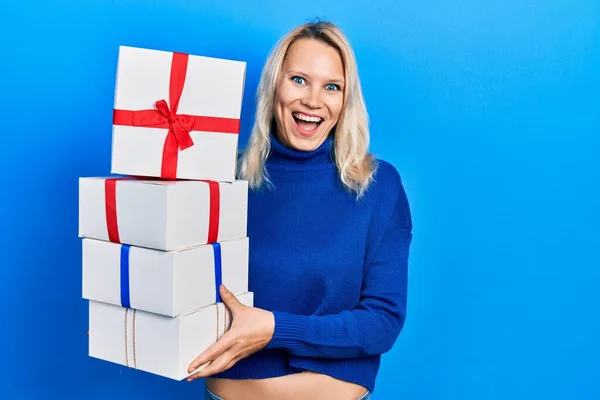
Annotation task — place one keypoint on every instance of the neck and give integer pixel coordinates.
(284, 155)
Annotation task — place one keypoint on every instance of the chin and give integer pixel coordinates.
(306, 143)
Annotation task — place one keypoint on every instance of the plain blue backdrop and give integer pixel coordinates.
(489, 109)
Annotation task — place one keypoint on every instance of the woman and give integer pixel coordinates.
(329, 228)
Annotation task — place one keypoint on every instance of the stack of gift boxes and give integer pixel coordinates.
(169, 227)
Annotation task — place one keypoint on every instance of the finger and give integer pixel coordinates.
(214, 351)
(232, 362)
(210, 355)
(218, 365)
(229, 299)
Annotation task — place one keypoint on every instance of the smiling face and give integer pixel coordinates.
(309, 95)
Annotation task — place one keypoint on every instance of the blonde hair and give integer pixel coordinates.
(355, 164)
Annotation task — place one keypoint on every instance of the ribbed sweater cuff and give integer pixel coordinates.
(291, 331)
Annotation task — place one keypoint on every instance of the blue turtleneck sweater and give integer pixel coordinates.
(332, 269)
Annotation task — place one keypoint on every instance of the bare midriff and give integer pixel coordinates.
(300, 386)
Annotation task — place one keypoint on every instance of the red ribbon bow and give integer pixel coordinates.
(179, 125)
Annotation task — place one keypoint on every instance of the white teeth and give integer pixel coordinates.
(307, 118)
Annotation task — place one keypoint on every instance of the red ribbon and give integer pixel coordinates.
(215, 211)
(179, 125)
(110, 200)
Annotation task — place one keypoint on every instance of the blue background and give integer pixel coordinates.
(489, 110)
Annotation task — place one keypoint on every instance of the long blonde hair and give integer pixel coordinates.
(355, 164)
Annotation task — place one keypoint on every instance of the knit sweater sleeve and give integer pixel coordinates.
(373, 326)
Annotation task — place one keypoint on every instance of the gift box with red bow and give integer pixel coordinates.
(176, 116)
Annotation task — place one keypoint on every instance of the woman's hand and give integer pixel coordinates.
(251, 329)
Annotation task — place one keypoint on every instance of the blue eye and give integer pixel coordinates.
(298, 80)
(331, 86)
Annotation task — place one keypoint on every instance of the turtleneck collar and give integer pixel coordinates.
(287, 157)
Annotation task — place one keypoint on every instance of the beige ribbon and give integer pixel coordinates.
(134, 352)
(126, 340)
(217, 322)
(224, 319)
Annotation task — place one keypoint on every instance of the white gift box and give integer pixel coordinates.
(162, 215)
(204, 90)
(167, 283)
(155, 343)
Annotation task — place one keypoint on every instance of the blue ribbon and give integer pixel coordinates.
(125, 300)
(125, 276)
(218, 269)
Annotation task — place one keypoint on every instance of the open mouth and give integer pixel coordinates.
(307, 123)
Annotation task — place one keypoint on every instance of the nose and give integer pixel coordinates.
(312, 98)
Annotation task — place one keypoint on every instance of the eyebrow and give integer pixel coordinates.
(334, 80)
